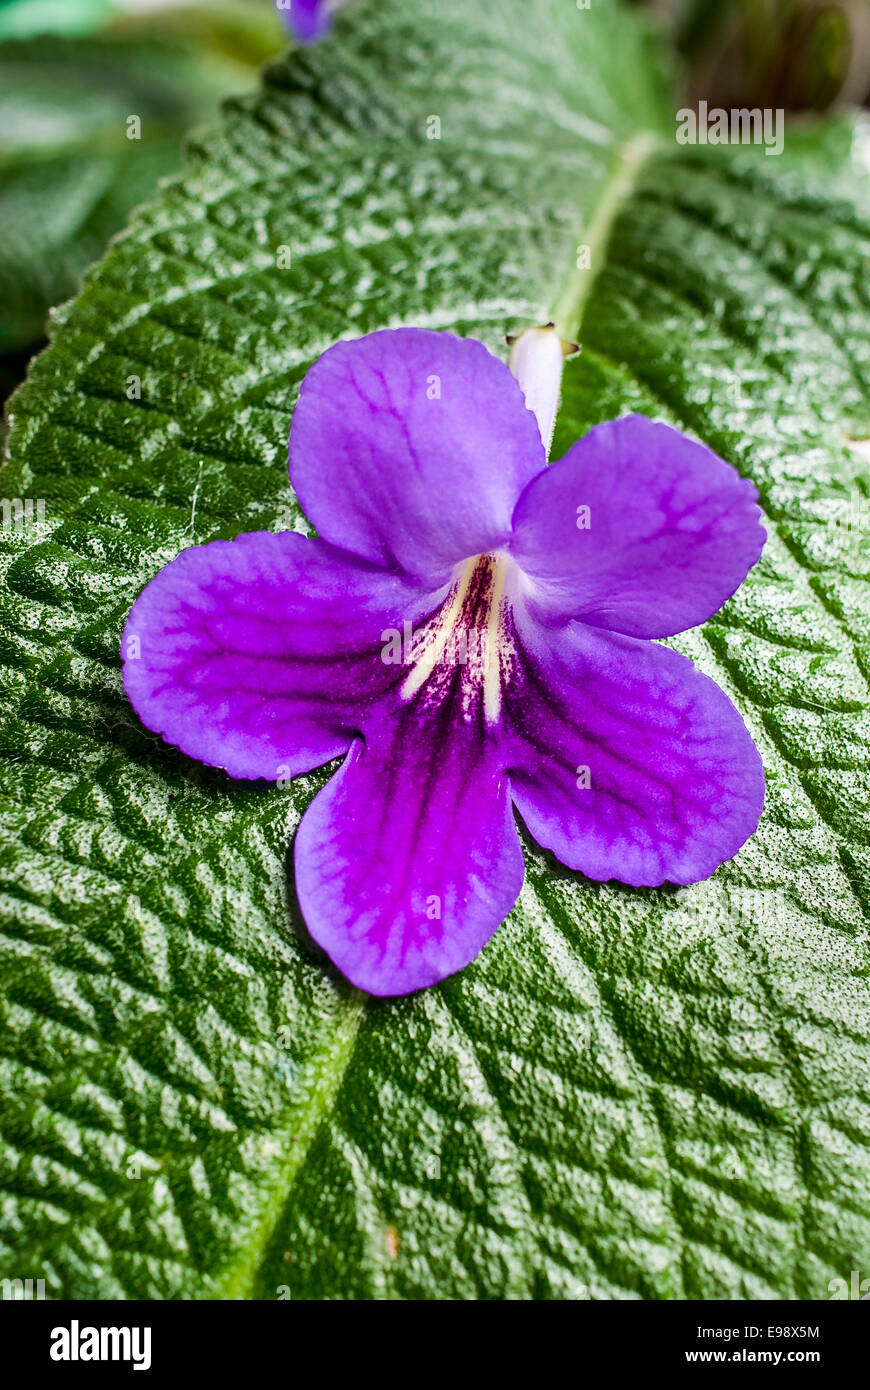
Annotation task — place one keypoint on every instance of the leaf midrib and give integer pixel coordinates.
(318, 1086)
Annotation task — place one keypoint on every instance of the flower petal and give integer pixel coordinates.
(675, 782)
(410, 448)
(637, 529)
(259, 655)
(307, 20)
(409, 858)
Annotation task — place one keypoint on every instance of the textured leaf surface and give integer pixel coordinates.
(652, 1094)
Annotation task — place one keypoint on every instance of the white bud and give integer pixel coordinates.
(536, 359)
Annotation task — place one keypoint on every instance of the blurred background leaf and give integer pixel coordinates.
(69, 173)
(71, 71)
(797, 54)
(22, 19)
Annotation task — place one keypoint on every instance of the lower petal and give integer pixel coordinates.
(626, 761)
(409, 858)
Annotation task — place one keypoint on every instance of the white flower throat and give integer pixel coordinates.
(467, 644)
(467, 647)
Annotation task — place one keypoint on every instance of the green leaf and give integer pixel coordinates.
(22, 19)
(656, 1094)
(72, 167)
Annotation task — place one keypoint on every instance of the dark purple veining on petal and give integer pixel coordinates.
(624, 759)
(262, 655)
(638, 529)
(409, 858)
(461, 653)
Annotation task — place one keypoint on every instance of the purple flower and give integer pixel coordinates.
(470, 630)
(307, 20)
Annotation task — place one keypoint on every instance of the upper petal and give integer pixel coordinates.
(410, 448)
(668, 533)
(625, 760)
(260, 655)
(409, 858)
